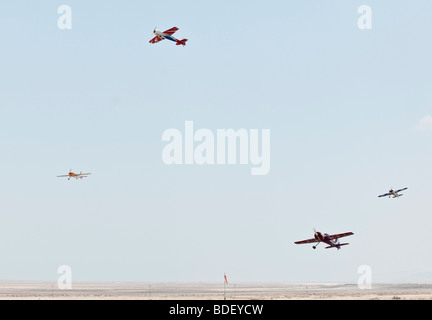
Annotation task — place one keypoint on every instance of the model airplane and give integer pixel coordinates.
(167, 35)
(75, 175)
(331, 240)
(393, 193)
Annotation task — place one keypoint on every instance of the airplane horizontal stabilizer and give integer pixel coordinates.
(181, 42)
(339, 245)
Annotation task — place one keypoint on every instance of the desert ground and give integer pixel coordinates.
(27, 290)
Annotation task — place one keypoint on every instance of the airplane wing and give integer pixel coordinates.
(384, 195)
(340, 235)
(66, 175)
(156, 39)
(306, 241)
(400, 190)
(171, 31)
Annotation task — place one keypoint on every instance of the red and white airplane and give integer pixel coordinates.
(331, 240)
(75, 175)
(393, 193)
(167, 34)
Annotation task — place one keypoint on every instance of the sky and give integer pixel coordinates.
(348, 110)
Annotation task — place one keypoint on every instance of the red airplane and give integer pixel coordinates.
(167, 34)
(331, 240)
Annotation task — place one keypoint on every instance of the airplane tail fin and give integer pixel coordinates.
(181, 42)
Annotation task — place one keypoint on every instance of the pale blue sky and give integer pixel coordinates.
(341, 103)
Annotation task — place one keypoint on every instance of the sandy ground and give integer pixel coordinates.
(16, 290)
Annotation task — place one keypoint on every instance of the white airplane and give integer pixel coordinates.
(75, 175)
(393, 193)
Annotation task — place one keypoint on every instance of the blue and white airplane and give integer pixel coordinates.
(331, 240)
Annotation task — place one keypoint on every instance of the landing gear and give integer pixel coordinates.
(316, 245)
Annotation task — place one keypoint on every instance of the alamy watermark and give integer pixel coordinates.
(365, 280)
(64, 282)
(365, 20)
(227, 146)
(64, 22)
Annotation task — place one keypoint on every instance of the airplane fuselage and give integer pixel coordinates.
(323, 237)
(394, 194)
(164, 35)
(76, 175)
